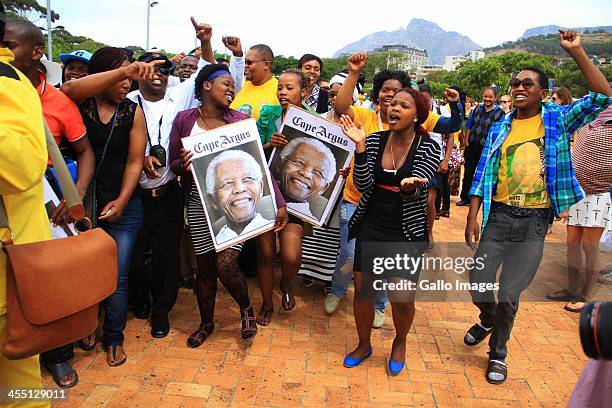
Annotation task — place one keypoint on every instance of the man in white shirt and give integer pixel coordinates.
(188, 65)
(162, 197)
(234, 181)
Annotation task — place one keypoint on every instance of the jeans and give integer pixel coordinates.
(58, 355)
(124, 232)
(516, 244)
(472, 157)
(343, 272)
(162, 226)
(443, 197)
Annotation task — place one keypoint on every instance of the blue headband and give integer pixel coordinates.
(217, 74)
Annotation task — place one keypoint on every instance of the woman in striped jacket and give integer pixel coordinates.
(391, 170)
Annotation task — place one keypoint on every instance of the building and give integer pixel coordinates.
(404, 58)
(451, 62)
(423, 70)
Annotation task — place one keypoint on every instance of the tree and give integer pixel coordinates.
(28, 9)
(282, 63)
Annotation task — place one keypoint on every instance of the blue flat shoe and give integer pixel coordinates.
(395, 367)
(350, 362)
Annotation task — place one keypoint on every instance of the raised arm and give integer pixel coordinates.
(344, 99)
(453, 123)
(80, 89)
(204, 33)
(237, 62)
(595, 79)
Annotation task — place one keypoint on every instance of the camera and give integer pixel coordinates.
(159, 153)
(596, 330)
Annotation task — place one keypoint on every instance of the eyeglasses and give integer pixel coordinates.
(230, 185)
(249, 62)
(163, 70)
(527, 83)
(317, 174)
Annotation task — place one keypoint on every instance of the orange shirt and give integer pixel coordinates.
(60, 112)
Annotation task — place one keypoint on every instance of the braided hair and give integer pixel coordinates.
(302, 78)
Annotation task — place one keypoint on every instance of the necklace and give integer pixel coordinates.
(202, 117)
(393, 154)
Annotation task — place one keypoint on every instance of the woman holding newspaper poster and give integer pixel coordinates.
(292, 85)
(214, 86)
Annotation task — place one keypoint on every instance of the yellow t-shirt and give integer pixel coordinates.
(23, 160)
(251, 98)
(372, 124)
(521, 175)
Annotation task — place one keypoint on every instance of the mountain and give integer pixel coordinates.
(552, 29)
(418, 33)
(599, 43)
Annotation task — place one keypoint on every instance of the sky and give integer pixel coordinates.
(316, 26)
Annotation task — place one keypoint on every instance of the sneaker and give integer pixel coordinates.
(331, 303)
(379, 319)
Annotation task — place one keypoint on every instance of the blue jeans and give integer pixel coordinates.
(124, 232)
(343, 272)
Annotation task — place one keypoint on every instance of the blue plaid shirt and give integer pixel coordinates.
(559, 123)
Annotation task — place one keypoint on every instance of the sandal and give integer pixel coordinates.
(199, 336)
(61, 372)
(263, 318)
(288, 301)
(88, 343)
(476, 334)
(497, 372)
(111, 351)
(576, 305)
(249, 330)
(562, 295)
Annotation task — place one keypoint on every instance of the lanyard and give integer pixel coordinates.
(147, 126)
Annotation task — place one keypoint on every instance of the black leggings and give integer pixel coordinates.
(222, 265)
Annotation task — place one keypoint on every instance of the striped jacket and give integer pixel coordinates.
(414, 208)
(559, 123)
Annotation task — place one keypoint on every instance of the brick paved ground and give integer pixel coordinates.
(297, 360)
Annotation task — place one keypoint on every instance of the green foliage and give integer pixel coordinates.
(282, 63)
(28, 9)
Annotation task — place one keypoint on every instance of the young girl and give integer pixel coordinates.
(292, 89)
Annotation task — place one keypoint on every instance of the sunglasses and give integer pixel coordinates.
(504, 101)
(554, 99)
(527, 83)
(163, 71)
(249, 62)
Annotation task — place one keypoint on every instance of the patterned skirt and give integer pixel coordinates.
(594, 210)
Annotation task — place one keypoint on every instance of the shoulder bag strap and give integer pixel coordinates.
(73, 200)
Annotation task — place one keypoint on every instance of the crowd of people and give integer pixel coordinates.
(121, 119)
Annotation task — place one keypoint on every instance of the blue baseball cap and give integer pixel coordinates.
(79, 55)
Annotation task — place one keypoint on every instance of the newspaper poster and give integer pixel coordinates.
(306, 168)
(233, 180)
(51, 203)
